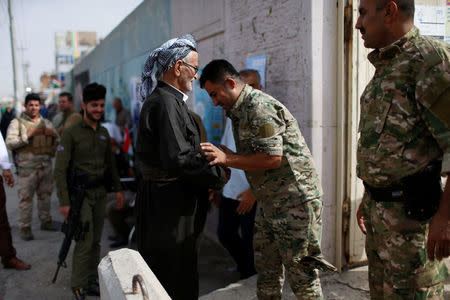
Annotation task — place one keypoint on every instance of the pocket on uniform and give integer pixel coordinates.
(380, 121)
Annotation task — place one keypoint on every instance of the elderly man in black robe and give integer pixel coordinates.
(172, 200)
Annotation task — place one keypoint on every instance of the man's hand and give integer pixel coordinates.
(34, 131)
(214, 154)
(247, 202)
(9, 178)
(64, 211)
(50, 132)
(360, 219)
(438, 244)
(119, 197)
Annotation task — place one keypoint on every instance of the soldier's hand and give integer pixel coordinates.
(247, 202)
(50, 132)
(9, 178)
(34, 131)
(214, 154)
(438, 243)
(360, 219)
(119, 197)
(64, 211)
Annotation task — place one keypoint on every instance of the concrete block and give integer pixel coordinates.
(116, 271)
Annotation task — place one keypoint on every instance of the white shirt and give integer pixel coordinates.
(4, 158)
(185, 97)
(113, 131)
(238, 182)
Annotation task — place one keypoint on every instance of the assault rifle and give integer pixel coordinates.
(73, 228)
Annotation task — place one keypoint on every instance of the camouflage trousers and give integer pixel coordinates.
(396, 251)
(288, 239)
(31, 180)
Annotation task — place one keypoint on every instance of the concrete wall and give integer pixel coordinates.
(298, 38)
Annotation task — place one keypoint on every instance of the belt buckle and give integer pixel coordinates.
(397, 194)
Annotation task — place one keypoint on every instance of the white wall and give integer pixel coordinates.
(299, 40)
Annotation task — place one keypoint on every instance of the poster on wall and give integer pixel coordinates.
(80, 81)
(431, 20)
(135, 100)
(258, 63)
(447, 24)
(212, 116)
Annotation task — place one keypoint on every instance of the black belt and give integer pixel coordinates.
(397, 192)
(385, 194)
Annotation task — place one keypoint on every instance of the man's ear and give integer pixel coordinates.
(230, 82)
(177, 68)
(83, 105)
(391, 12)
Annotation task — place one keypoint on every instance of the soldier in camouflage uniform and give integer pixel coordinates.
(34, 140)
(282, 175)
(403, 149)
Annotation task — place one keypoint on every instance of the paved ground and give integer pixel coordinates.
(216, 279)
(41, 253)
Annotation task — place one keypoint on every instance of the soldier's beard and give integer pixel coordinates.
(91, 117)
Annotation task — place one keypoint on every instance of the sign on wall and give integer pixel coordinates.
(258, 63)
(431, 20)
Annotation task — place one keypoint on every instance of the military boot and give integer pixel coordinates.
(93, 289)
(50, 226)
(25, 234)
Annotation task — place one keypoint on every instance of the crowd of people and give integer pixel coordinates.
(262, 177)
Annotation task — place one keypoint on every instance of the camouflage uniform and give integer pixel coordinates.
(33, 156)
(289, 220)
(404, 127)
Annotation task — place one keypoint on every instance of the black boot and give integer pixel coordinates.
(93, 289)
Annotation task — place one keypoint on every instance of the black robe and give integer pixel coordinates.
(172, 200)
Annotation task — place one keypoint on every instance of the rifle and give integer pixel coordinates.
(73, 228)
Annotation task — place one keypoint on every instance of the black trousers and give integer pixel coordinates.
(240, 247)
(169, 220)
(6, 248)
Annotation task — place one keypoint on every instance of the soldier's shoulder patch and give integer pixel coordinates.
(60, 148)
(266, 130)
(102, 137)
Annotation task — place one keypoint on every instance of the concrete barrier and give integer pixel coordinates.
(117, 272)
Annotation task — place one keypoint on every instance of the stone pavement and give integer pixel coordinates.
(217, 280)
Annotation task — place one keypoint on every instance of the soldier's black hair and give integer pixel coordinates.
(68, 95)
(93, 91)
(32, 97)
(405, 6)
(216, 72)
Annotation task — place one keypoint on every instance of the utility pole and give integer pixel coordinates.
(13, 49)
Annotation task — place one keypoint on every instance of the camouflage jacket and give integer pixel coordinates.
(262, 124)
(17, 139)
(405, 110)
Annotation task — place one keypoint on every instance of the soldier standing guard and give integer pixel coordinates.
(403, 150)
(282, 175)
(85, 148)
(34, 140)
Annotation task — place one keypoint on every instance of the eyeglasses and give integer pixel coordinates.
(193, 67)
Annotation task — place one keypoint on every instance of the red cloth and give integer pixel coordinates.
(126, 142)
